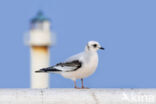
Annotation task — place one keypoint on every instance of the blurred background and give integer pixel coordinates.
(127, 29)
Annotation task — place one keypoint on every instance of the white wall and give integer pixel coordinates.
(77, 96)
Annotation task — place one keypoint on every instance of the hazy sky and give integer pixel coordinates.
(126, 28)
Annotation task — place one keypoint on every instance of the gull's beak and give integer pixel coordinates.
(101, 48)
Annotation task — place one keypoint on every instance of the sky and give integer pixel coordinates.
(126, 28)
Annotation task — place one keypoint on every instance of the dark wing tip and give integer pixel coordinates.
(41, 70)
(37, 71)
(49, 69)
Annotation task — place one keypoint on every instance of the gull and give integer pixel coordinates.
(78, 66)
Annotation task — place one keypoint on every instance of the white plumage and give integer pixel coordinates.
(78, 66)
(89, 62)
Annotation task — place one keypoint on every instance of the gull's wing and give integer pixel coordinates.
(71, 64)
(63, 67)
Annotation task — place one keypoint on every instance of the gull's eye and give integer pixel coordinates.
(94, 45)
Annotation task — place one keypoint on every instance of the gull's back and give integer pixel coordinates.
(78, 56)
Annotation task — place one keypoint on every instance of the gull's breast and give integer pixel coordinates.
(90, 68)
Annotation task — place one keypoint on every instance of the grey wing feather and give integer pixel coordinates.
(63, 67)
(69, 66)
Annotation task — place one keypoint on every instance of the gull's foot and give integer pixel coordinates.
(77, 88)
(84, 87)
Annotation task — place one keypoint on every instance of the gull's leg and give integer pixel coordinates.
(82, 84)
(75, 84)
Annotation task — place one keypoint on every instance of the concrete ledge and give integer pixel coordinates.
(77, 96)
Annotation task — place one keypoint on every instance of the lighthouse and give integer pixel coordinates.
(39, 42)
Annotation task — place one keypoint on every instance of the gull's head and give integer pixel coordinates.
(93, 46)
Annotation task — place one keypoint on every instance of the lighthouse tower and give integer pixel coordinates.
(39, 42)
